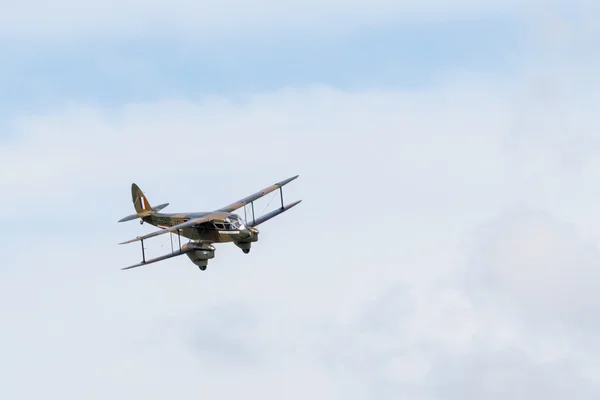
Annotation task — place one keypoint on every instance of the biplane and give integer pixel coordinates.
(203, 229)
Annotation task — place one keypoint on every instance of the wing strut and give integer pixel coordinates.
(178, 235)
(281, 194)
(284, 207)
(182, 250)
(253, 197)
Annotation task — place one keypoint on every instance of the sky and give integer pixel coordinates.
(447, 245)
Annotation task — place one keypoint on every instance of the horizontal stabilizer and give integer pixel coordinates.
(273, 213)
(160, 207)
(136, 216)
(142, 214)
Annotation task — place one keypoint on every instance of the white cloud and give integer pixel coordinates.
(356, 293)
(557, 270)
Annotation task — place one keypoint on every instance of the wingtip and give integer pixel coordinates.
(133, 266)
(286, 181)
(295, 203)
(130, 241)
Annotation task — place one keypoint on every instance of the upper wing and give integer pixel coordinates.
(191, 222)
(238, 204)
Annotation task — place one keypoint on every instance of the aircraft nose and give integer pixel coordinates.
(245, 232)
(249, 232)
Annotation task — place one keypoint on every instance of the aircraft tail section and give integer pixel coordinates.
(140, 201)
(141, 204)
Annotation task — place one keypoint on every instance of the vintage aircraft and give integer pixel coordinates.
(203, 228)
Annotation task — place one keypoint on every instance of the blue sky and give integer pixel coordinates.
(114, 72)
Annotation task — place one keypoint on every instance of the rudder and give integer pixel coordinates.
(140, 201)
(142, 205)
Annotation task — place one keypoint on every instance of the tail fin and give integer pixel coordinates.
(140, 201)
(141, 204)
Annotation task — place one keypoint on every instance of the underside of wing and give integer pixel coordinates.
(157, 259)
(202, 252)
(253, 197)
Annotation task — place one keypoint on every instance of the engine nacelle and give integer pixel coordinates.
(200, 253)
(245, 246)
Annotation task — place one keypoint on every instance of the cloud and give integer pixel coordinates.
(557, 270)
(357, 293)
(510, 374)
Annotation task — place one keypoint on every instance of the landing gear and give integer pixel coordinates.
(246, 251)
(202, 267)
(141, 221)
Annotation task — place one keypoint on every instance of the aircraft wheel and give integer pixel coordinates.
(202, 267)
(246, 251)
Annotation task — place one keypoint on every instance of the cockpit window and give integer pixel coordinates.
(235, 222)
(230, 223)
